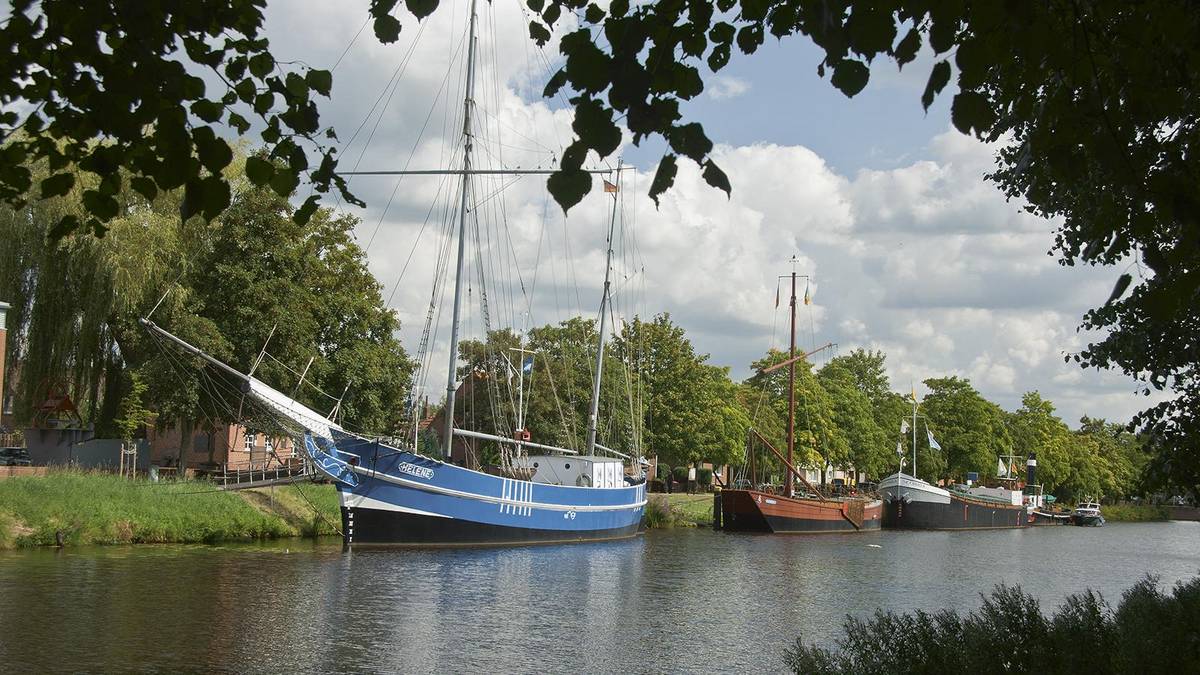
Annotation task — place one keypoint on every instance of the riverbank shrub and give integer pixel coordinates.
(1149, 632)
(1135, 513)
(658, 511)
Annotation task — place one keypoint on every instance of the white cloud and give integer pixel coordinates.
(721, 87)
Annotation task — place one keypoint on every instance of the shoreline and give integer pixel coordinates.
(71, 507)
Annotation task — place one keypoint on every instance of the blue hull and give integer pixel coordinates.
(393, 496)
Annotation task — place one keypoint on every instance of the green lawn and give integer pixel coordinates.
(101, 508)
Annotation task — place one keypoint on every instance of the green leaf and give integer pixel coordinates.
(972, 111)
(209, 111)
(541, 36)
(664, 177)
(214, 153)
(942, 33)
(387, 28)
(907, 50)
(284, 181)
(568, 186)
(749, 38)
(239, 123)
(536, 5)
(145, 186)
(100, 205)
(1119, 288)
(721, 32)
(939, 77)
(850, 76)
(690, 140)
(594, 126)
(296, 86)
(871, 29)
(259, 170)
(261, 65)
(421, 8)
(65, 225)
(593, 14)
(58, 185)
(306, 210)
(263, 102)
(715, 177)
(320, 81)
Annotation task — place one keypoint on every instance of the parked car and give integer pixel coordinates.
(14, 457)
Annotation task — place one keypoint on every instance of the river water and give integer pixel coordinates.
(671, 600)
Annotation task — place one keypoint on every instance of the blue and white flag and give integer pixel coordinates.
(932, 443)
(527, 365)
(899, 450)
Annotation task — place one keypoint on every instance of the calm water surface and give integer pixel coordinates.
(676, 600)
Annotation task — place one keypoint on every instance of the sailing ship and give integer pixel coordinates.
(755, 509)
(912, 503)
(392, 494)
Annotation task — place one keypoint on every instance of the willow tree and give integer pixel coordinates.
(220, 285)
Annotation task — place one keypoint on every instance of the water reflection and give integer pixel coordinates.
(669, 601)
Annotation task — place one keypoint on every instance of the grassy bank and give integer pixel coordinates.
(99, 508)
(1134, 513)
(679, 510)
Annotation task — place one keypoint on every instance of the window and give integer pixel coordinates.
(268, 445)
(249, 441)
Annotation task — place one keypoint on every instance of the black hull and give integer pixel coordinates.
(377, 527)
(959, 514)
(1087, 521)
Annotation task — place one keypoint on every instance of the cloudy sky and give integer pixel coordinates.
(885, 207)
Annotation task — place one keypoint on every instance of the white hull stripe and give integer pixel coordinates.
(437, 489)
(359, 502)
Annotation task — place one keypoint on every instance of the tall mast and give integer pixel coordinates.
(594, 411)
(791, 433)
(468, 102)
(914, 430)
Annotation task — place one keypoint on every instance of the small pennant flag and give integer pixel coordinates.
(899, 450)
(777, 295)
(527, 365)
(807, 297)
(903, 426)
(1001, 470)
(611, 187)
(932, 443)
(914, 393)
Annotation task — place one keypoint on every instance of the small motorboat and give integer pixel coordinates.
(1087, 514)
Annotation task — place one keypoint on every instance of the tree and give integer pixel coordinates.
(1035, 428)
(112, 92)
(853, 414)
(969, 428)
(819, 440)
(691, 411)
(1092, 99)
(221, 285)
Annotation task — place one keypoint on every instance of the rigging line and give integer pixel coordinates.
(398, 72)
(417, 241)
(407, 162)
(352, 41)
